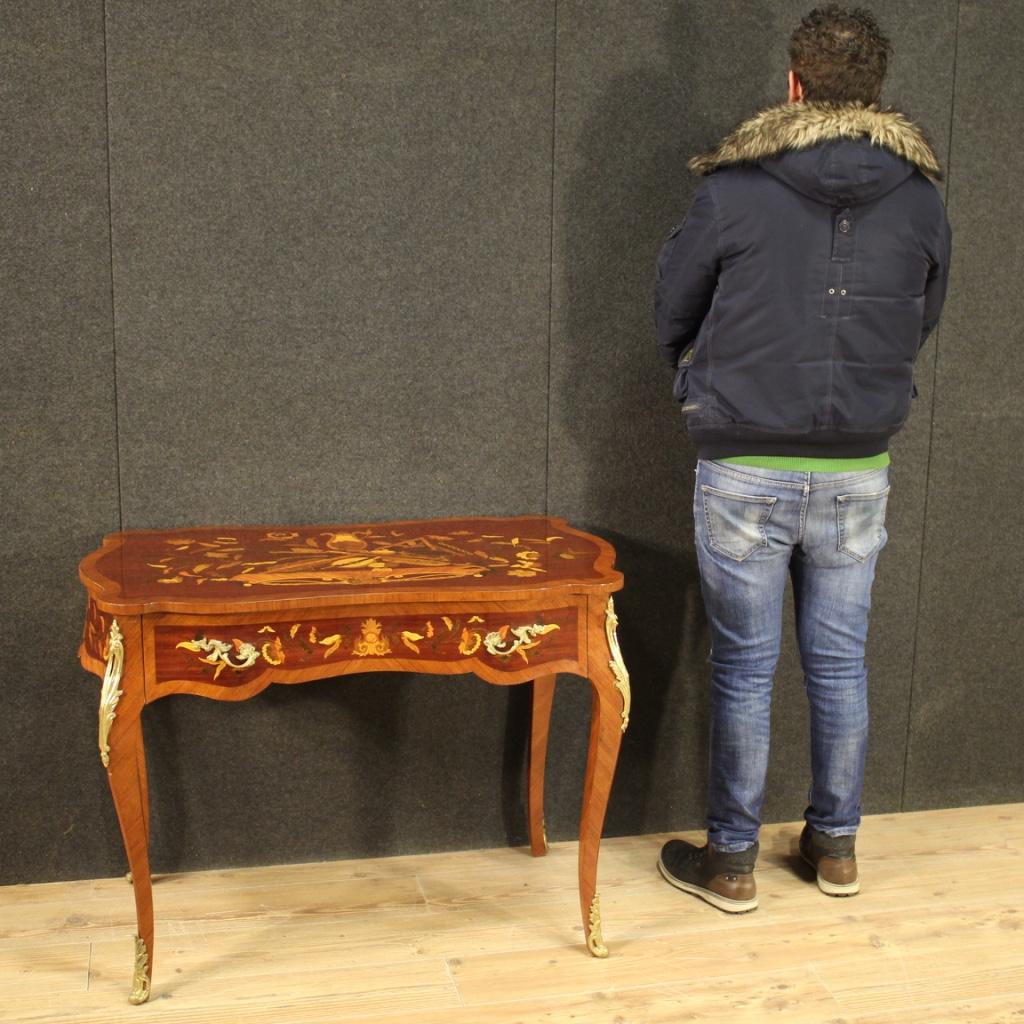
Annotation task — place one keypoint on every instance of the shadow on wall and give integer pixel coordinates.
(213, 804)
(623, 436)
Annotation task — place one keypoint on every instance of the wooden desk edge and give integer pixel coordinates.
(105, 592)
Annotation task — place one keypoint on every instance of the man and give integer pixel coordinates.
(793, 301)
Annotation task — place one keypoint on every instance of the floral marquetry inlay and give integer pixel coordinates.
(95, 633)
(354, 558)
(171, 569)
(496, 637)
(371, 640)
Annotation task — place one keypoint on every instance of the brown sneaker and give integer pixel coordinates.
(834, 860)
(725, 880)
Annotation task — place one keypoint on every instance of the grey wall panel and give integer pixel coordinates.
(58, 450)
(331, 232)
(371, 765)
(920, 83)
(331, 241)
(967, 718)
(640, 87)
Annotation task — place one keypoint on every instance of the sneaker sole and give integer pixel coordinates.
(721, 902)
(833, 888)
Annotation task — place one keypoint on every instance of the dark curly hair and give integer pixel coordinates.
(840, 55)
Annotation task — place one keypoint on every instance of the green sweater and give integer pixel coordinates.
(811, 465)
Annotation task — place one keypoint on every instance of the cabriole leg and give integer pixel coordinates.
(543, 695)
(609, 718)
(123, 754)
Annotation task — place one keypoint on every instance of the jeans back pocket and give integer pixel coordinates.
(860, 519)
(736, 522)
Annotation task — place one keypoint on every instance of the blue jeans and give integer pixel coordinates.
(755, 527)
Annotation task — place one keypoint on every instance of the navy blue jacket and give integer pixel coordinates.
(796, 294)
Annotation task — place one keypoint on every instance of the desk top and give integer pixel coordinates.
(234, 568)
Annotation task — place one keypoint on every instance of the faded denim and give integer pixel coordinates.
(755, 527)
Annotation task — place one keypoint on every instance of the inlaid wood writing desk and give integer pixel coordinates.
(224, 611)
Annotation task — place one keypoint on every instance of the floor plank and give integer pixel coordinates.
(937, 935)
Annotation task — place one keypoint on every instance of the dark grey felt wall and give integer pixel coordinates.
(322, 261)
(965, 743)
(58, 425)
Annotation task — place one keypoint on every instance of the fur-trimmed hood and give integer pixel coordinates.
(787, 141)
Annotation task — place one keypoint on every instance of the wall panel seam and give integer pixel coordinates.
(551, 254)
(931, 441)
(110, 249)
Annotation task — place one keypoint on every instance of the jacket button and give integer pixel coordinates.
(844, 225)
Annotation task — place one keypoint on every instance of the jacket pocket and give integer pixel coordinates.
(860, 520)
(681, 385)
(736, 522)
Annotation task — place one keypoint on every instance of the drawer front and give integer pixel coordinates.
(234, 654)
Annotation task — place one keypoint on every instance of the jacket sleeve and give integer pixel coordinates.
(936, 283)
(686, 276)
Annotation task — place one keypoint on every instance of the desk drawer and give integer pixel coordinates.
(233, 653)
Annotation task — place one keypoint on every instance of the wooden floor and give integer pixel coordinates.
(937, 935)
